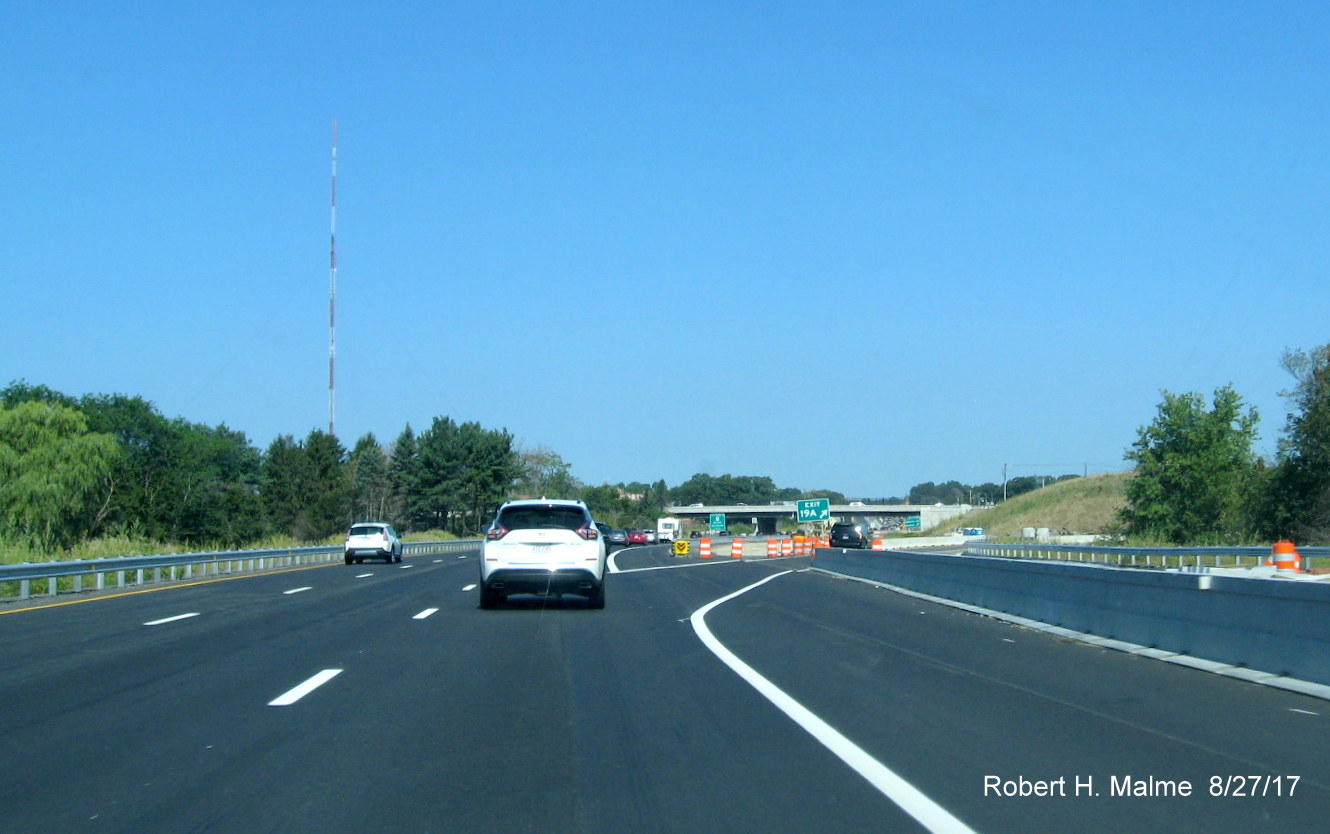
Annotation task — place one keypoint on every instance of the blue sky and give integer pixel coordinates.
(851, 246)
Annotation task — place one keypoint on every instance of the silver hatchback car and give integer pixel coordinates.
(543, 546)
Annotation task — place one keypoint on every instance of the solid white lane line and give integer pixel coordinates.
(165, 620)
(423, 614)
(910, 799)
(305, 688)
(296, 591)
(618, 569)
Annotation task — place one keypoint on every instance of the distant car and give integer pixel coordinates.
(372, 540)
(650, 536)
(542, 547)
(619, 537)
(637, 537)
(851, 534)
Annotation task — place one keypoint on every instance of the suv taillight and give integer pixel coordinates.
(588, 532)
(496, 532)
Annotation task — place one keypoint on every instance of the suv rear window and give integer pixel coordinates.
(549, 518)
(365, 530)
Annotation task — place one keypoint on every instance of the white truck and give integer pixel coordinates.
(668, 529)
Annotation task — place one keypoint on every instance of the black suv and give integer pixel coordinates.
(851, 534)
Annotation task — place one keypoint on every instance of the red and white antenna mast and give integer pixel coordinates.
(332, 297)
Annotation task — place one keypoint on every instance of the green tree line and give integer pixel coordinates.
(1198, 481)
(72, 469)
(75, 468)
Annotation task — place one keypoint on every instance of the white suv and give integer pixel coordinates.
(372, 540)
(543, 546)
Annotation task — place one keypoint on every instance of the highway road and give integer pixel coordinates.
(726, 696)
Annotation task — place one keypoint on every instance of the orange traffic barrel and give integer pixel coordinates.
(704, 548)
(737, 547)
(1286, 556)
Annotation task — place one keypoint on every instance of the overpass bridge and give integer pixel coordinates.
(766, 516)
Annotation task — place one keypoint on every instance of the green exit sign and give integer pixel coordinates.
(718, 521)
(815, 509)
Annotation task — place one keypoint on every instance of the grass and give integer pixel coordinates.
(1086, 505)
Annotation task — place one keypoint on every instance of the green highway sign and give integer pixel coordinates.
(815, 509)
(912, 522)
(718, 521)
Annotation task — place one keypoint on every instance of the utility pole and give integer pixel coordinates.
(1004, 482)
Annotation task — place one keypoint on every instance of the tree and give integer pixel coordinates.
(20, 391)
(407, 511)
(281, 483)
(727, 489)
(951, 492)
(1297, 503)
(326, 492)
(607, 503)
(438, 473)
(213, 486)
(461, 474)
(144, 478)
(54, 474)
(699, 489)
(544, 474)
(173, 480)
(489, 469)
(370, 486)
(1194, 470)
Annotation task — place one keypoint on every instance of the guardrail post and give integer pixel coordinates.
(24, 588)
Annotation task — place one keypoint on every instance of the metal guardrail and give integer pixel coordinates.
(1191, 558)
(127, 571)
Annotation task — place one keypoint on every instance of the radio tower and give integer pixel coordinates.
(332, 297)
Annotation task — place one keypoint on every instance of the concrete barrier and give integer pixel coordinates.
(1280, 627)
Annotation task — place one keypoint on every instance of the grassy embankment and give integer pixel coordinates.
(1080, 505)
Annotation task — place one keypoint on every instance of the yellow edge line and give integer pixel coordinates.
(155, 590)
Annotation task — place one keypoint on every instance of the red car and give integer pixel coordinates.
(637, 537)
